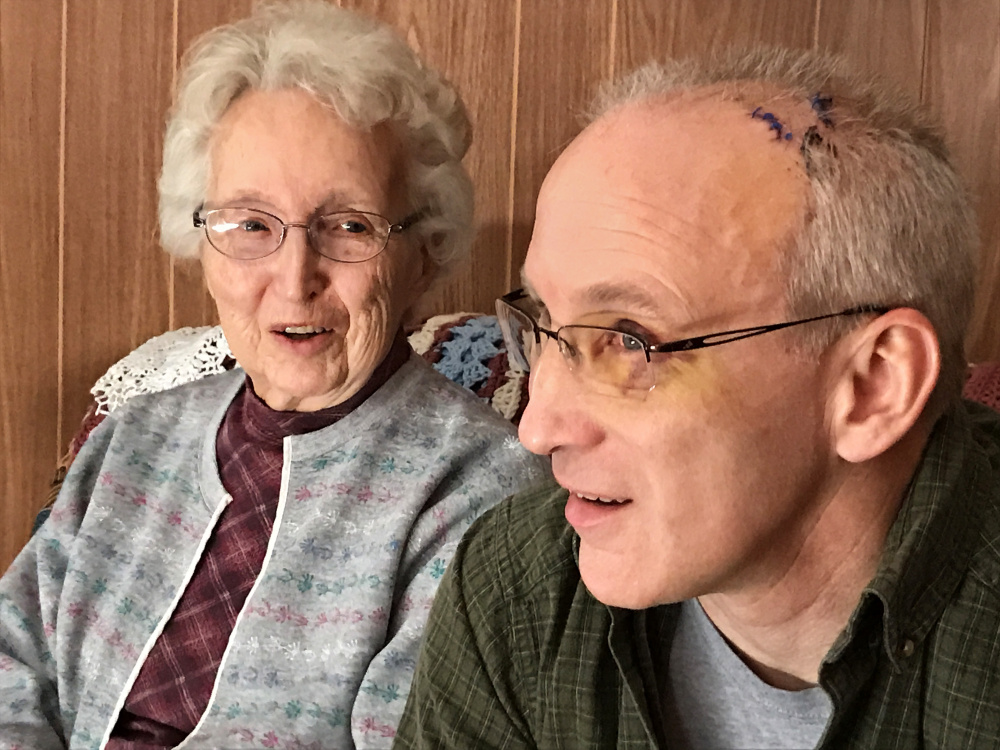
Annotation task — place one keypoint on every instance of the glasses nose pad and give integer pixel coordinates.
(568, 350)
(517, 348)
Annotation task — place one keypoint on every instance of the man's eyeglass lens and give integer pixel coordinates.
(612, 361)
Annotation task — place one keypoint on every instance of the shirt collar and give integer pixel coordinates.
(928, 546)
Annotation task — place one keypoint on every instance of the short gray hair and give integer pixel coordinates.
(353, 64)
(891, 223)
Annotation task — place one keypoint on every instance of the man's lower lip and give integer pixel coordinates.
(583, 514)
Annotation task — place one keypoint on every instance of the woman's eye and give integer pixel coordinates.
(354, 227)
(253, 225)
(340, 225)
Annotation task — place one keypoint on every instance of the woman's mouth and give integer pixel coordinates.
(301, 333)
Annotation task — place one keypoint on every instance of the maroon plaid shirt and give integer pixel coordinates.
(175, 683)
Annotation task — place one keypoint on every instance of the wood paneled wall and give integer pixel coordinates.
(85, 84)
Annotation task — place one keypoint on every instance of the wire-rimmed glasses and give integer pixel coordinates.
(611, 360)
(344, 236)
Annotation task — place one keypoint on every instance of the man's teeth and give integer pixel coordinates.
(598, 499)
(304, 329)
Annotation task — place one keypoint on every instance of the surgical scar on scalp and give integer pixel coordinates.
(811, 139)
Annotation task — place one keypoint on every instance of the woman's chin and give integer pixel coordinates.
(303, 394)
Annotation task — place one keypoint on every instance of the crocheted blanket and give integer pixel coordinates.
(465, 347)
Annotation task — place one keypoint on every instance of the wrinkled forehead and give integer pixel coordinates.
(708, 172)
(287, 139)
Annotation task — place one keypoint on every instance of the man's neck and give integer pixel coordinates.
(782, 628)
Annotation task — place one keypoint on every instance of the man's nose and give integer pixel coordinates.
(556, 417)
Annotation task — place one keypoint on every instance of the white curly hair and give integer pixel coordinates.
(353, 64)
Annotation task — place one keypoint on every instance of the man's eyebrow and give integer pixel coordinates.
(622, 297)
(608, 294)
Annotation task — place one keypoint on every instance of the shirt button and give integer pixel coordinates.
(907, 649)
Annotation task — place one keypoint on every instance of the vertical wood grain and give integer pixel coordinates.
(646, 30)
(653, 29)
(884, 37)
(704, 25)
(30, 89)
(119, 70)
(472, 44)
(565, 52)
(192, 304)
(962, 85)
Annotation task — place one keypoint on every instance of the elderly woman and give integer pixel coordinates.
(248, 560)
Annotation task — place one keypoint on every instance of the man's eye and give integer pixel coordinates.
(614, 341)
(631, 343)
(629, 337)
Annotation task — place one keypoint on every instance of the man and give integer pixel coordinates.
(783, 535)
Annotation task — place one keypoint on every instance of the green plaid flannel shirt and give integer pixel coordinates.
(517, 653)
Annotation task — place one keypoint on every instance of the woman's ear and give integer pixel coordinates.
(428, 270)
(426, 273)
(884, 375)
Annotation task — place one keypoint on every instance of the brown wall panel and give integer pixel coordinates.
(962, 85)
(30, 89)
(882, 36)
(651, 30)
(472, 44)
(119, 69)
(644, 31)
(702, 25)
(565, 51)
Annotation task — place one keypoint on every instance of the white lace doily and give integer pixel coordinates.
(172, 358)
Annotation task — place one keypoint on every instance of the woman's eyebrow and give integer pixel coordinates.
(339, 200)
(245, 198)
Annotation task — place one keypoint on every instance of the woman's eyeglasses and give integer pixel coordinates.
(344, 236)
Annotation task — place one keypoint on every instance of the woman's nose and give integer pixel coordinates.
(301, 271)
(556, 417)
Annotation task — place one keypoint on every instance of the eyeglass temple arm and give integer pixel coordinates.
(715, 339)
(409, 221)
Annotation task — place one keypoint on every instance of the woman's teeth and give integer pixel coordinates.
(304, 329)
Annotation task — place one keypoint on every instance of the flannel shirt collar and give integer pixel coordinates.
(928, 547)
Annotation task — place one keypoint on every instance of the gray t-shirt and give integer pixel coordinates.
(713, 701)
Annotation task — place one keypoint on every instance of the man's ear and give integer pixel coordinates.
(884, 375)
